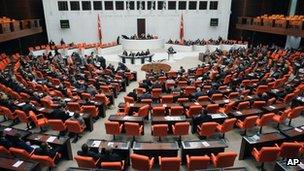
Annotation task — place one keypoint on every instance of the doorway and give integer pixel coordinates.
(141, 26)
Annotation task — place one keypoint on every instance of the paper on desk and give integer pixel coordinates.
(256, 137)
(96, 143)
(131, 104)
(164, 105)
(272, 107)
(71, 113)
(67, 99)
(250, 97)
(196, 103)
(51, 139)
(215, 116)
(7, 129)
(206, 144)
(226, 100)
(239, 112)
(18, 163)
(21, 104)
(41, 109)
(299, 130)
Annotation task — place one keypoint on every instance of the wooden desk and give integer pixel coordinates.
(218, 117)
(121, 148)
(200, 148)
(258, 141)
(63, 142)
(245, 113)
(281, 166)
(166, 105)
(275, 108)
(294, 134)
(152, 149)
(222, 102)
(202, 103)
(13, 131)
(85, 169)
(123, 119)
(7, 163)
(101, 107)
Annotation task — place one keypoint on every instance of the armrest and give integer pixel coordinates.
(141, 129)
(151, 161)
(255, 151)
(96, 162)
(58, 155)
(199, 127)
(277, 145)
(187, 158)
(159, 160)
(120, 127)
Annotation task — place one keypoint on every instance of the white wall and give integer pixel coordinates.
(163, 23)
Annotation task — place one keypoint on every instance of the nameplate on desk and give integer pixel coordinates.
(216, 116)
(71, 113)
(206, 144)
(298, 130)
(96, 143)
(170, 118)
(164, 105)
(196, 103)
(226, 100)
(239, 112)
(131, 104)
(67, 99)
(271, 107)
(18, 163)
(51, 139)
(21, 104)
(41, 109)
(255, 137)
(7, 129)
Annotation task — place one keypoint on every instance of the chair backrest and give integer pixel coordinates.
(144, 111)
(189, 90)
(289, 97)
(182, 128)
(140, 90)
(73, 106)
(73, 126)
(250, 121)
(208, 128)
(22, 116)
(57, 124)
(212, 108)
(261, 89)
(169, 163)
(112, 127)
(266, 118)
(167, 99)
(7, 112)
(44, 160)
(160, 129)
(159, 111)
(84, 161)
(290, 149)
(233, 95)
(295, 112)
(128, 99)
(182, 100)
(269, 154)
(271, 101)
(90, 109)
(195, 110)
(132, 128)
(101, 98)
(198, 162)
(86, 96)
(33, 117)
(243, 105)
(140, 162)
(112, 165)
(21, 153)
(228, 124)
(228, 107)
(202, 98)
(4, 151)
(156, 92)
(225, 159)
(258, 104)
(217, 96)
(177, 110)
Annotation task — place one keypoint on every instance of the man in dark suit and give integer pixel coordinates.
(19, 143)
(59, 113)
(199, 119)
(4, 141)
(46, 150)
(133, 94)
(86, 152)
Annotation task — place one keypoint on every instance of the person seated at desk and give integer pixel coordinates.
(111, 67)
(19, 143)
(59, 113)
(146, 95)
(88, 153)
(4, 141)
(79, 118)
(122, 67)
(199, 119)
(125, 53)
(91, 90)
(198, 93)
(176, 89)
(107, 155)
(214, 90)
(156, 84)
(148, 52)
(181, 70)
(46, 150)
(133, 94)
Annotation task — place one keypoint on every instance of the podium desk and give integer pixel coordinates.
(202, 147)
(152, 149)
(53, 140)
(259, 141)
(9, 163)
(294, 134)
(119, 147)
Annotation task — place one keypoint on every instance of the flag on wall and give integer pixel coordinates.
(99, 29)
(181, 29)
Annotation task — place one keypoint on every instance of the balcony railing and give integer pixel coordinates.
(275, 26)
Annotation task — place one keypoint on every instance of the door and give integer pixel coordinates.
(141, 26)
